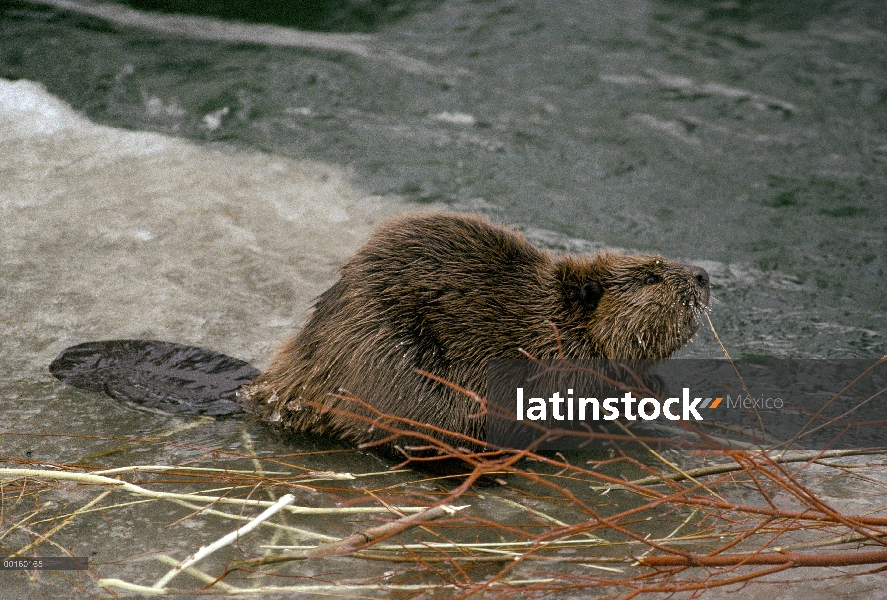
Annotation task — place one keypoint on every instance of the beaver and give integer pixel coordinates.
(444, 293)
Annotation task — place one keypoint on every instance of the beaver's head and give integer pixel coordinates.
(623, 306)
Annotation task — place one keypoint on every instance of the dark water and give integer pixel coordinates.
(747, 137)
(310, 15)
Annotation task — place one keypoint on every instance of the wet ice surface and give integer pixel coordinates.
(204, 192)
(110, 232)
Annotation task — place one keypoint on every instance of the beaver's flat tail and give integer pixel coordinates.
(158, 375)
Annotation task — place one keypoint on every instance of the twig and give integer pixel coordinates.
(198, 574)
(45, 536)
(793, 559)
(341, 589)
(735, 370)
(733, 466)
(671, 465)
(362, 539)
(135, 489)
(224, 541)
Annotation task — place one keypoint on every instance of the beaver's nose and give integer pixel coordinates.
(700, 275)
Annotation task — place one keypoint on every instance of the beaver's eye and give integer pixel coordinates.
(651, 279)
(590, 294)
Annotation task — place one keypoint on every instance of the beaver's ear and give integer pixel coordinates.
(590, 294)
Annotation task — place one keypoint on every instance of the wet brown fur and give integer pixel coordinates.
(444, 293)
